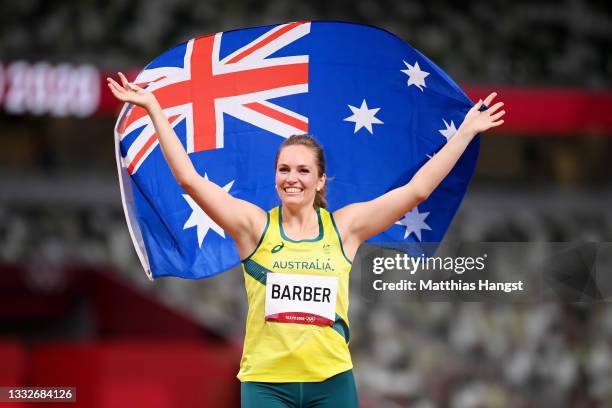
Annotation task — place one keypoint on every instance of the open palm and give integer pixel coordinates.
(478, 121)
(130, 93)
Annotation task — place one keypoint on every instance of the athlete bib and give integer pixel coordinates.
(303, 299)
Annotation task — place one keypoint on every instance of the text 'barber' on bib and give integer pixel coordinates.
(303, 299)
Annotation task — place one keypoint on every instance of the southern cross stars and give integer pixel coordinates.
(416, 77)
(200, 219)
(414, 221)
(449, 131)
(363, 117)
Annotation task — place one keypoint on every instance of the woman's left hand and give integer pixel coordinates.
(477, 121)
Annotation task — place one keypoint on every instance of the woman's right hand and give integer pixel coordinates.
(131, 93)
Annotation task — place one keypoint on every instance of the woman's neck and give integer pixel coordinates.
(299, 220)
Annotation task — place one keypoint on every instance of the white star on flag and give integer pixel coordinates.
(414, 221)
(416, 77)
(200, 219)
(363, 117)
(449, 131)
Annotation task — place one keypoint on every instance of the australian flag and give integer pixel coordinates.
(379, 107)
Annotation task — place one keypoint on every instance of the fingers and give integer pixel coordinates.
(499, 122)
(115, 92)
(490, 98)
(121, 91)
(491, 110)
(128, 85)
(497, 115)
(124, 80)
(112, 83)
(116, 89)
(135, 87)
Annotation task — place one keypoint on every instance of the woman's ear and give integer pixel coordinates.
(321, 182)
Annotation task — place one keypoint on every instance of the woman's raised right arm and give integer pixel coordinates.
(242, 220)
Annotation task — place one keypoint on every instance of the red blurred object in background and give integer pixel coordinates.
(138, 351)
(148, 373)
(45, 89)
(13, 364)
(551, 111)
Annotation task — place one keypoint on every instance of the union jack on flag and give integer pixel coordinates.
(378, 106)
(207, 86)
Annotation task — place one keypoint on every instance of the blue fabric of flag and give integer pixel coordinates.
(351, 67)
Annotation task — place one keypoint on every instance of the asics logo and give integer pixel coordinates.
(277, 248)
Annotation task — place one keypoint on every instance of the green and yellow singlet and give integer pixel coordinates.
(296, 351)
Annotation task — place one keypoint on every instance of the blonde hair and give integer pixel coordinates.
(307, 140)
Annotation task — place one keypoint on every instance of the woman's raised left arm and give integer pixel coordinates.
(360, 221)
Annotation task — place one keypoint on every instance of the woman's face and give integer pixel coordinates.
(297, 176)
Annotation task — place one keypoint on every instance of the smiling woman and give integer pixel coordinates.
(300, 171)
(295, 349)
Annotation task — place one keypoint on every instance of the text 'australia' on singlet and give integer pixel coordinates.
(297, 323)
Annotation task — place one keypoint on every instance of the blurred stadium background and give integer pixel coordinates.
(77, 310)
